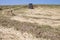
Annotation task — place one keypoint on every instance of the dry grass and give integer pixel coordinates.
(38, 31)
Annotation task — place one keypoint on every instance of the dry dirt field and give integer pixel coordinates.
(40, 23)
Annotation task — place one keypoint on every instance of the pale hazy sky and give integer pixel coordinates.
(14, 2)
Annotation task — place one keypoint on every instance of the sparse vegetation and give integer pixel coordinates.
(34, 23)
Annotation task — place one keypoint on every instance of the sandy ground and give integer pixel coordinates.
(11, 34)
(40, 16)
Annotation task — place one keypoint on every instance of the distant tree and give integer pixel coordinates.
(31, 6)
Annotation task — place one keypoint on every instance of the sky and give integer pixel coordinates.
(17, 2)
